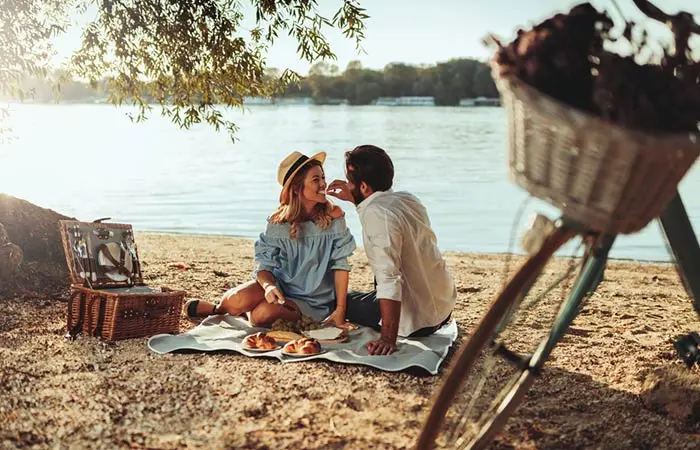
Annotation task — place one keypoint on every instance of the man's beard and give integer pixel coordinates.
(357, 195)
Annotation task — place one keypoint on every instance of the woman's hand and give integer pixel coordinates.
(273, 294)
(337, 318)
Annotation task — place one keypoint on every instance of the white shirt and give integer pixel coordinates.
(408, 266)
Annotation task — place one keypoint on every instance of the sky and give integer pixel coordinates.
(426, 32)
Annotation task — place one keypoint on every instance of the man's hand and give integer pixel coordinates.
(386, 344)
(340, 190)
(273, 294)
(381, 346)
(337, 318)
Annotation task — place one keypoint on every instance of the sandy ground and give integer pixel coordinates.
(597, 392)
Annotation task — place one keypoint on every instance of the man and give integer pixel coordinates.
(414, 292)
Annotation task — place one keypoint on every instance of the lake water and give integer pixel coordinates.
(91, 161)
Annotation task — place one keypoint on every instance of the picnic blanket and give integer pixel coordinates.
(225, 332)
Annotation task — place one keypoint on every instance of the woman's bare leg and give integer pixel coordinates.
(235, 301)
(241, 299)
(250, 298)
(265, 313)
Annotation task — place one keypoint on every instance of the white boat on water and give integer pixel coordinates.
(480, 101)
(405, 101)
(258, 101)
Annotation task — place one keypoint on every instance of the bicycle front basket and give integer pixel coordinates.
(605, 177)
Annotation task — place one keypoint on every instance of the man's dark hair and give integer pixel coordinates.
(372, 165)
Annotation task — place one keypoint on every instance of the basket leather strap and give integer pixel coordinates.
(75, 328)
(101, 316)
(122, 257)
(90, 306)
(97, 329)
(135, 266)
(118, 265)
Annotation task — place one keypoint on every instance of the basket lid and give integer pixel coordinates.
(101, 254)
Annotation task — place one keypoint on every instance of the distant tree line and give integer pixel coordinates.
(448, 82)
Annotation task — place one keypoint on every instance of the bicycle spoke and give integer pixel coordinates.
(467, 408)
(553, 286)
(499, 374)
(493, 408)
(499, 349)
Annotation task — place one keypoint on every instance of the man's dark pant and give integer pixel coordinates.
(363, 309)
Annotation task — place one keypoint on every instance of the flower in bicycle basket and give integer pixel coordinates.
(569, 57)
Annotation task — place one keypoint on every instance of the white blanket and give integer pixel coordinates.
(224, 332)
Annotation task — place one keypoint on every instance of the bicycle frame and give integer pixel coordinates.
(684, 244)
(675, 224)
(679, 233)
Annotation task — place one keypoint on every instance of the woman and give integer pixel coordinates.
(301, 257)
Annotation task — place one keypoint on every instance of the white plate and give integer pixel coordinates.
(302, 355)
(260, 350)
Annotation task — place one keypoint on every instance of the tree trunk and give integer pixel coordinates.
(31, 252)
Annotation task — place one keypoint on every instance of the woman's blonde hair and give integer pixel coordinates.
(290, 209)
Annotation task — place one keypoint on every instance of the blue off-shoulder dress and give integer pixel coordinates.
(303, 267)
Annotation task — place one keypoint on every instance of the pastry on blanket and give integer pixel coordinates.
(260, 341)
(284, 335)
(303, 346)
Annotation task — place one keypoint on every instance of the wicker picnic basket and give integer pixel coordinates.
(601, 175)
(108, 297)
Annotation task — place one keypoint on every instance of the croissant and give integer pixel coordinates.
(259, 341)
(304, 346)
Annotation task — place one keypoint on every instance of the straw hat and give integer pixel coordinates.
(291, 165)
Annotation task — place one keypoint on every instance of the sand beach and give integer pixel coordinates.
(603, 387)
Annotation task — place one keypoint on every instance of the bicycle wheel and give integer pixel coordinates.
(460, 417)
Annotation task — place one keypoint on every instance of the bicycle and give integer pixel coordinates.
(488, 340)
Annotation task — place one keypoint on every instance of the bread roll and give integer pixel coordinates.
(260, 341)
(304, 346)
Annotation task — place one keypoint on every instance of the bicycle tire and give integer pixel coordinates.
(483, 333)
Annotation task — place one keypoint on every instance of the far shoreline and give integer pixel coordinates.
(645, 262)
